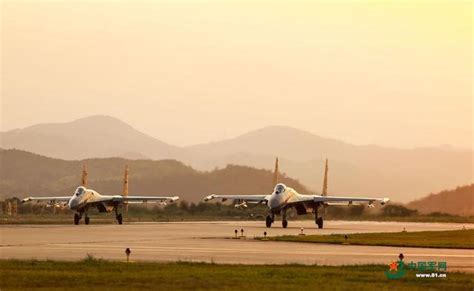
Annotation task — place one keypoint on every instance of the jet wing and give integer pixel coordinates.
(137, 199)
(340, 200)
(148, 198)
(246, 198)
(52, 198)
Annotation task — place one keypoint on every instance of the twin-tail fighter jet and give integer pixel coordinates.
(83, 200)
(284, 198)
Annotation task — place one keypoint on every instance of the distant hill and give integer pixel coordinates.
(90, 137)
(459, 201)
(23, 174)
(402, 174)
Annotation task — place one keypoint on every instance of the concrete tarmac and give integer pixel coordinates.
(213, 242)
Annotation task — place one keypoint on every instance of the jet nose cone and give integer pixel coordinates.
(72, 204)
(273, 203)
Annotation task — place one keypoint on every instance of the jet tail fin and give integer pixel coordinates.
(275, 173)
(125, 186)
(325, 181)
(84, 175)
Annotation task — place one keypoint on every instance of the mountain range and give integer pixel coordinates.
(402, 174)
(26, 174)
(458, 201)
(31, 174)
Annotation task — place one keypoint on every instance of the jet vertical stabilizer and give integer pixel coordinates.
(125, 187)
(325, 181)
(275, 173)
(84, 175)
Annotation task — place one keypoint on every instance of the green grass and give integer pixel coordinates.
(463, 239)
(99, 274)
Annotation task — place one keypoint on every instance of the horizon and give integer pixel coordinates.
(441, 146)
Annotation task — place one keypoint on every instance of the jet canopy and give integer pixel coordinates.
(280, 188)
(80, 190)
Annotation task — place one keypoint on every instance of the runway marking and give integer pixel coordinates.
(82, 242)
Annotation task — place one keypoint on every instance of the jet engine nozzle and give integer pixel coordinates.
(384, 201)
(173, 199)
(26, 200)
(210, 197)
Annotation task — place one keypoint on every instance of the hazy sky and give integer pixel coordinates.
(395, 74)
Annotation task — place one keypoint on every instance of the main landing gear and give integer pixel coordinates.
(87, 219)
(77, 218)
(270, 219)
(318, 220)
(118, 216)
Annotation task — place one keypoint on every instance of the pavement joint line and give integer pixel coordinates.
(70, 246)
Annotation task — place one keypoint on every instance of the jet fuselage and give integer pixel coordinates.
(281, 197)
(83, 197)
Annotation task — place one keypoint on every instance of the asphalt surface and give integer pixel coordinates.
(213, 242)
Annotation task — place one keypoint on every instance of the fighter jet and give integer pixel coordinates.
(85, 199)
(283, 198)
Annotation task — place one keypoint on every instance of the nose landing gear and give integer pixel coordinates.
(270, 219)
(78, 217)
(284, 221)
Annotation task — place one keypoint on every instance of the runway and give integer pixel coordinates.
(212, 242)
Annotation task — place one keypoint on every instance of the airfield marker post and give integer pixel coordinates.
(302, 231)
(128, 252)
(345, 240)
